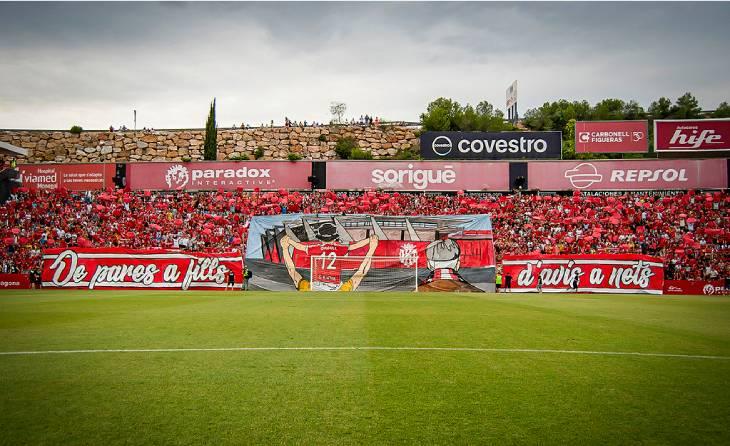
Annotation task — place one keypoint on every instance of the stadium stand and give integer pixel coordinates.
(687, 229)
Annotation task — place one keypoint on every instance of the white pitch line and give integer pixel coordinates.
(374, 348)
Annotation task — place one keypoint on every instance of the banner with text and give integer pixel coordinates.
(117, 268)
(695, 287)
(14, 281)
(230, 175)
(597, 273)
(691, 135)
(74, 177)
(418, 175)
(627, 175)
(611, 136)
(491, 145)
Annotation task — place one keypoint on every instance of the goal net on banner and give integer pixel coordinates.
(351, 273)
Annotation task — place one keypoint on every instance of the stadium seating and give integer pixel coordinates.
(688, 229)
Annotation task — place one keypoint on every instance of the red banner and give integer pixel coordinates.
(14, 281)
(695, 287)
(118, 268)
(231, 175)
(627, 175)
(611, 136)
(418, 175)
(691, 135)
(597, 273)
(75, 177)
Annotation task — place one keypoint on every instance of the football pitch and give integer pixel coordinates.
(118, 367)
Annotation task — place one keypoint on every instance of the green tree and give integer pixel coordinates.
(569, 140)
(686, 107)
(210, 145)
(445, 114)
(661, 108)
(722, 111)
(609, 110)
(632, 110)
(556, 115)
(441, 115)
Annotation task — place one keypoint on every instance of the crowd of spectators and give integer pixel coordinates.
(688, 230)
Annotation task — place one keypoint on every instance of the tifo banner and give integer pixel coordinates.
(74, 177)
(597, 273)
(231, 175)
(14, 281)
(114, 268)
(491, 146)
(611, 136)
(695, 287)
(418, 175)
(691, 135)
(627, 175)
(447, 253)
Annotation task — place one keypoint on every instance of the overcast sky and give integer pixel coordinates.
(93, 63)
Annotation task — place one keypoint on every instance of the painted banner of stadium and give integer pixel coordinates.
(372, 253)
(597, 273)
(627, 175)
(74, 177)
(418, 175)
(611, 136)
(120, 268)
(491, 145)
(691, 135)
(230, 175)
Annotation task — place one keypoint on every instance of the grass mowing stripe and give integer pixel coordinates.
(367, 348)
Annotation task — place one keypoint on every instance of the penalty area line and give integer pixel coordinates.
(365, 348)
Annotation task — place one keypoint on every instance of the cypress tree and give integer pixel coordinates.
(210, 147)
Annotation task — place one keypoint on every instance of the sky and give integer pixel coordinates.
(92, 64)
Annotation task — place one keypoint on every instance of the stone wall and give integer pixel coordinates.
(175, 145)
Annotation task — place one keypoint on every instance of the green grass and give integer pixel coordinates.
(362, 396)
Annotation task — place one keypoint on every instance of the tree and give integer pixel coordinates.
(556, 115)
(441, 115)
(722, 111)
(632, 110)
(609, 110)
(210, 145)
(569, 140)
(661, 108)
(445, 114)
(686, 107)
(338, 109)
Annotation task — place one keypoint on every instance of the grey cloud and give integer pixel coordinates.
(92, 63)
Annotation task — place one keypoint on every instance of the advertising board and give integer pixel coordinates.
(611, 136)
(627, 175)
(418, 175)
(226, 175)
(491, 145)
